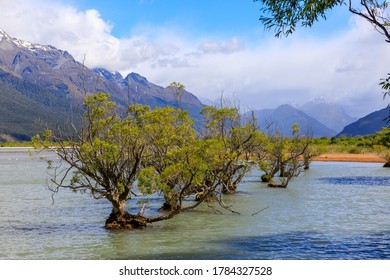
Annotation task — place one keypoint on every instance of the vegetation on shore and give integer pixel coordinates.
(377, 144)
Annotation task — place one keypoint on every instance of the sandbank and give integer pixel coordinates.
(350, 158)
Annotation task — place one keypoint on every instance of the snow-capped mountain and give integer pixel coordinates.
(63, 81)
(23, 44)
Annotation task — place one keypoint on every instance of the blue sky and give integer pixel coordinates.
(216, 17)
(199, 18)
(214, 48)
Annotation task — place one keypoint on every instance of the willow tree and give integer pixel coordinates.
(285, 157)
(184, 167)
(121, 154)
(104, 160)
(169, 134)
(237, 139)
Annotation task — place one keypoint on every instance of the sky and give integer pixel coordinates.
(215, 48)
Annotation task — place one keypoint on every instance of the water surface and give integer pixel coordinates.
(333, 211)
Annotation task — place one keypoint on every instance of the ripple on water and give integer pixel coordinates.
(358, 180)
(312, 245)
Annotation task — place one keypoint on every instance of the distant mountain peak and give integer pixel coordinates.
(111, 76)
(330, 114)
(24, 44)
(283, 117)
(138, 79)
(4, 35)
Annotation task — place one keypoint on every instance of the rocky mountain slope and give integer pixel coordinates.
(46, 85)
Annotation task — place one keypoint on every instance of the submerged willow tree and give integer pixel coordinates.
(237, 139)
(285, 157)
(121, 154)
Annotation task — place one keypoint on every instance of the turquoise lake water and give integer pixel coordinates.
(333, 211)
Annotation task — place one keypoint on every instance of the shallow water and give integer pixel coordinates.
(333, 211)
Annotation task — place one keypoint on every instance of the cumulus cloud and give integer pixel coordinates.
(82, 33)
(345, 68)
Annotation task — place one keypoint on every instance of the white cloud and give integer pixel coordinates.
(344, 69)
(231, 46)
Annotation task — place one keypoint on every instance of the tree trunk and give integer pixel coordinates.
(121, 219)
(273, 185)
(168, 207)
(266, 178)
(229, 188)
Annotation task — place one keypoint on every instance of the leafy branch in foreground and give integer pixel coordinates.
(285, 16)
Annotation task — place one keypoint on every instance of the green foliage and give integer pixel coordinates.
(295, 128)
(234, 140)
(284, 16)
(385, 84)
(383, 137)
(149, 181)
(179, 91)
(286, 157)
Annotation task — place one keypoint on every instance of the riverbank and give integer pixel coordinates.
(350, 158)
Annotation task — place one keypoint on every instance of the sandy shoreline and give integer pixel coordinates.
(350, 158)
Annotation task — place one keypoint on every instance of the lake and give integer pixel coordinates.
(333, 211)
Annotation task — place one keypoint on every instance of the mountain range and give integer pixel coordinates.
(42, 86)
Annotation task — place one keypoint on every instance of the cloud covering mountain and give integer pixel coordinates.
(331, 115)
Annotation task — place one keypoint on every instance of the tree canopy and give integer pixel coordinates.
(284, 16)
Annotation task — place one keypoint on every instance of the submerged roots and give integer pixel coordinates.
(125, 221)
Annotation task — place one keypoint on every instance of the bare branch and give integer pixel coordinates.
(260, 211)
